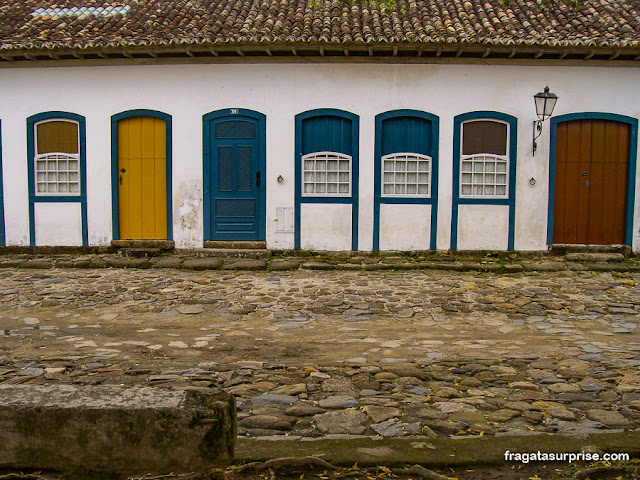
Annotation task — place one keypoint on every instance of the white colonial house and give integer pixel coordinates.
(324, 125)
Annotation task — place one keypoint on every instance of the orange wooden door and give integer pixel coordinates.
(142, 178)
(592, 167)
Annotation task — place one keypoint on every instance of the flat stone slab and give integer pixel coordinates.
(160, 244)
(594, 257)
(115, 429)
(209, 263)
(246, 264)
(167, 262)
(284, 264)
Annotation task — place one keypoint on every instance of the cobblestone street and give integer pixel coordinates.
(315, 353)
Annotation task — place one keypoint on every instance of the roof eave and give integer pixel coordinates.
(398, 52)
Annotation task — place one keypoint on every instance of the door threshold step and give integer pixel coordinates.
(164, 245)
(140, 252)
(564, 249)
(254, 253)
(251, 245)
(594, 257)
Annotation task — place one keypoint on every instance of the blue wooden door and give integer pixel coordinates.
(236, 199)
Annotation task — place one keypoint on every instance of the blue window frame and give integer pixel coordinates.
(332, 135)
(471, 184)
(404, 136)
(46, 188)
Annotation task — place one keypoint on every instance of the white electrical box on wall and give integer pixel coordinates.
(284, 219)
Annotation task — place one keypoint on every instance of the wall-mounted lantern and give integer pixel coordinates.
(545, 103)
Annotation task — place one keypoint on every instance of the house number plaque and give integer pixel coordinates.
(233, 111)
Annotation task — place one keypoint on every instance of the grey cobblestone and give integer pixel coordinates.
(391, 353)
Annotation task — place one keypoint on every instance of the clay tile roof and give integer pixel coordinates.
(81, 24)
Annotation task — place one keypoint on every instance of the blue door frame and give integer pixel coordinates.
(33, 198)
(327, 138)
(240, 227)
(510, 201)
(115, 213)
(414, 140)
(633, 156)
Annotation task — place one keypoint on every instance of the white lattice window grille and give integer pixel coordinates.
(57, 173)
(484, 175)
(406, 175)
(326, 174)
(484, 163)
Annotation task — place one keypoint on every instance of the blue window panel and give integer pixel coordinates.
(225, 168)
(236, 208)
(406, 134)
(234, 175)
(327, 133)
(235, 129)
(33, 199)
(245, 170)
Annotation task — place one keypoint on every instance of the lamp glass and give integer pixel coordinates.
(545, 103)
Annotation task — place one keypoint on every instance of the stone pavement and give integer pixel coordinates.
(416, 353)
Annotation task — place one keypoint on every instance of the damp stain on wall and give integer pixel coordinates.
(188, 206)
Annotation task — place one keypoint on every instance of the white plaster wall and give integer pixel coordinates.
(483, 227)
(58, 223)
(325, 227)
(280, 91)
(405, 227)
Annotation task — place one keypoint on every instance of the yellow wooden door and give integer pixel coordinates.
(142, 178)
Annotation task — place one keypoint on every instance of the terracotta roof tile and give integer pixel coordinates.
(598, 23)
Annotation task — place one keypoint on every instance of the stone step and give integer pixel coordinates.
(152, 244)
(140, 252)
(125, 430)
(256, 253)
(564, 249)
(235, 245)
(594, 257)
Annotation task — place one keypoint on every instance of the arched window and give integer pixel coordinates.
(484, 174)
(484, 168)
(57, 158)
(406, 180)
(326, 177)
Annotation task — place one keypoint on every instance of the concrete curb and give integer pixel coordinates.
(371, 451)
(115, 429)
(291, 263)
